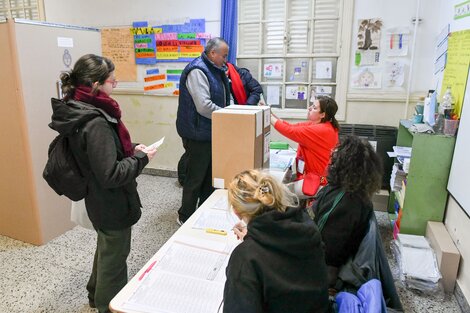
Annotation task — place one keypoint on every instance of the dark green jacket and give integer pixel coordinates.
(112, 200)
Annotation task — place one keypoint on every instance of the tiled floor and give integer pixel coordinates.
(52, 278)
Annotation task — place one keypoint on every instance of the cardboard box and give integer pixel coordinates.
(237, 143)
(448, 257)
(266, 126)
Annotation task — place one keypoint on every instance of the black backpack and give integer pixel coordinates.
(62, 172)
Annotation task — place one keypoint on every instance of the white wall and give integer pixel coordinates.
(147, 117)
(387, 105)
(106, 13)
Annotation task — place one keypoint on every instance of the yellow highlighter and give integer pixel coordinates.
(216, 231)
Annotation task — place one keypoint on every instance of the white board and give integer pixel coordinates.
(459, 177)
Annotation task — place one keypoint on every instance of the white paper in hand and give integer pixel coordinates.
(155, 145)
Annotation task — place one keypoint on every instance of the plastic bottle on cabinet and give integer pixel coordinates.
(447, 102)
(439, 126)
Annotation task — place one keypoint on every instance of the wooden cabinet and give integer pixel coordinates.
(425, 195)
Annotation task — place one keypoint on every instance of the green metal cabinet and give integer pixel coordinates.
(425, 197)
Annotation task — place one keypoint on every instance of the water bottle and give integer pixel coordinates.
(447, 102)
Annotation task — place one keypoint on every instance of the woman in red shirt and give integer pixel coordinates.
(316, 138)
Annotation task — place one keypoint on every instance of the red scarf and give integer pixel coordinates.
(237, 85)
(104, 102)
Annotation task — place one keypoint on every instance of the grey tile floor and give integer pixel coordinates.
(52, 277)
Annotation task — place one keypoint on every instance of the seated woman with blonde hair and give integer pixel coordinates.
(280, 265)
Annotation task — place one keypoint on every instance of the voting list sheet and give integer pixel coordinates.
(189, 277)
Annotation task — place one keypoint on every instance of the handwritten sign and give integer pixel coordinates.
(116, 44)
(455, 73)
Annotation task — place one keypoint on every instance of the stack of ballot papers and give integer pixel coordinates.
(417, 262)
(397, 177)
(281, 160)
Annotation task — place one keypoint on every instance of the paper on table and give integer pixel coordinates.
(216, 219)
(221, 204)
(168, 292)
(189, 278)
(156, 144)
(402, 151)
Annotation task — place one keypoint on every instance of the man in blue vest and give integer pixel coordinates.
(204, 88)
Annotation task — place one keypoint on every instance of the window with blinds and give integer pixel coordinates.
(27, 9)
(291, 47)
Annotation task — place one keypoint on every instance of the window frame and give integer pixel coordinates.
(6, 13)
(343, 41)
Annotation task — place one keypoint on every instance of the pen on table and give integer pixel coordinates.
(400, 41)
(391, 41)
(216, 231)
(147, 270)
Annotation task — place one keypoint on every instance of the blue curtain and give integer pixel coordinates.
(228, 27)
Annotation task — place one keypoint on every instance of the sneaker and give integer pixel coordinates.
(179, 221)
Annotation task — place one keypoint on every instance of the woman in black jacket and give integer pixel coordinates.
(354, 174)
(103, 150)
(279, 266)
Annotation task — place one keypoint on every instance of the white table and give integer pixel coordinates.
(190, 240)
(135, 288)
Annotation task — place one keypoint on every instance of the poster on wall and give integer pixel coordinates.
(369, 57)
(116, 44)
(455, 73)
(394, 73)
(296, 92)
(323, 70)
(398, 41)
(367, 78)
(181, 42)
(169, 43)
(144, 43)
(272, 95)
(368, 35)
(320, 91)
(368, 42)
(273, 70)
(163, 78)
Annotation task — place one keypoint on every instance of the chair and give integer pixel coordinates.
(368, 263)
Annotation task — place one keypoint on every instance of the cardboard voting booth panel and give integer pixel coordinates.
(237, 143)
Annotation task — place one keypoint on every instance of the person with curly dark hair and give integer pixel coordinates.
(342, 208)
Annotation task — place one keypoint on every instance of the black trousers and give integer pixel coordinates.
(198, 181)
(109, 274)
(183, 164)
